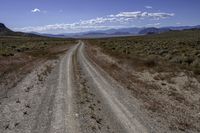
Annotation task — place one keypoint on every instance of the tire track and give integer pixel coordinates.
(79, 98)
(64, 113)
(120, 112)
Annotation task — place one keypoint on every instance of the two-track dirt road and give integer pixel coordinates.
(76, 97)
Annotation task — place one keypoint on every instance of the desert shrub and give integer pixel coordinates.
(150, 62)
(196, 63)
(196, 52)
(177, 59)
(7, 54)
(196, 71)
(188, 60)
(176, 47)
(168, 56)
(13, 47)
(18, 50)
(161, 52)
(113, 48)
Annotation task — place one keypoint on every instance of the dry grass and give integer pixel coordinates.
(177, 48)
(19, 55)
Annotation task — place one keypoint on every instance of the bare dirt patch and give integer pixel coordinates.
(17, 110)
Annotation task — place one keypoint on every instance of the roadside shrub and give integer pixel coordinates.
(198, 42)
(169, 56)
(18, 50)
(163, 52)
(188, 60)
(177, 59)
(197, 71)
(150, 62)
(13, 47)
(7, 54)
(196, 63)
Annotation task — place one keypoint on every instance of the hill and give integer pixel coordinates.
(153, 30)
(4, 31)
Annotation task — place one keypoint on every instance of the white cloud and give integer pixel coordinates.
(160, 15)
(35, 10)
(155, 24)
(128, 14)
(148, 7)
(99, 20)
(139, 14)
(122, 19)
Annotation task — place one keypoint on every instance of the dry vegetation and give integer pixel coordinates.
(19, 55)
(162, 71)
(181, 48)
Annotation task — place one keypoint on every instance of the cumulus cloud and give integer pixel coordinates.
(136, 14)
(139, 14)
(121, 19)
(127, 16)
(35, 10)
(148, 7)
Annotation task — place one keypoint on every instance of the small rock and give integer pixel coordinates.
(82, 102)
(16, 124)
(99, 121)
(27, 89)
(93, 117)
(7, 126)
(27, 106)
(25, 113)
(18, 101)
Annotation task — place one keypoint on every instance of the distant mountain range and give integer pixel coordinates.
(4, 31)
(121, 32)
(153, 30)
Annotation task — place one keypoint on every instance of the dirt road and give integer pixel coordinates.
(77, 96)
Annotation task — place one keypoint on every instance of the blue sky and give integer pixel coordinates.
(62, 16)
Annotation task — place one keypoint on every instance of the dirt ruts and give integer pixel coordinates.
(74, 95)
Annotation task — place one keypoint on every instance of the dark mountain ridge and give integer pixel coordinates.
(153, 30)
(4, 31)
